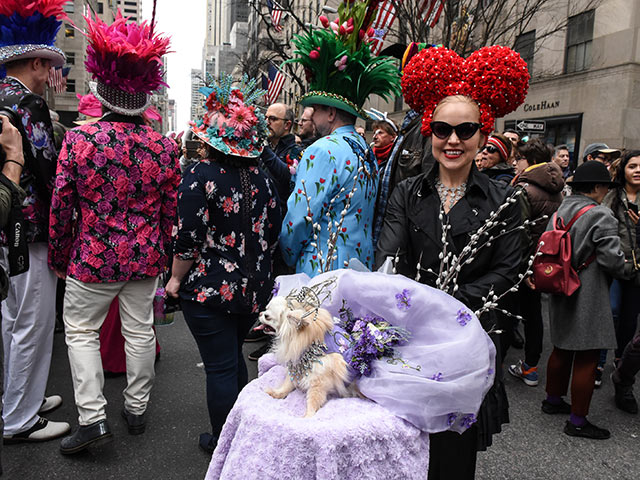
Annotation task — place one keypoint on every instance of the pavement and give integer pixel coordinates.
(532, 446)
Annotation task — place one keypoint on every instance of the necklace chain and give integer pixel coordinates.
(452, 193)
(303, 366)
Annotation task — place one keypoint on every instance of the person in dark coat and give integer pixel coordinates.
(541, 184)
(228, 226)
(582, 324)
(412, 233)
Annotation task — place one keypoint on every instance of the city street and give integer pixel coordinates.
(532, 446)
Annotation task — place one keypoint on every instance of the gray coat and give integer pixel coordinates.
(583, 321)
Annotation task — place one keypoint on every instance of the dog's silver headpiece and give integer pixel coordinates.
(311, 298)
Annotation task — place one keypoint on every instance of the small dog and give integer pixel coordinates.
(296, 329)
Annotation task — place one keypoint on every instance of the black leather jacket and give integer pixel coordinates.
(411, 228)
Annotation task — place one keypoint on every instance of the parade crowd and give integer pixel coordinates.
(113, 213)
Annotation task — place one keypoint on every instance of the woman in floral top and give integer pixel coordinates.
(228, 226)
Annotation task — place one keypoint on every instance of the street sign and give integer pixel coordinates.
(531, 126)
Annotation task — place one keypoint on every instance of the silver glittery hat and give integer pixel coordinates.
(120, 101)
(17, 52)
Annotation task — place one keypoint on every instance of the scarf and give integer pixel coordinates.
(382, 153)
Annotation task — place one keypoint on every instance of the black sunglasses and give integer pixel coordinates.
(464, 131)
(490, 149)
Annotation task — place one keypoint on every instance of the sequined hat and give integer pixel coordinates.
(125, 62)
(29, 28)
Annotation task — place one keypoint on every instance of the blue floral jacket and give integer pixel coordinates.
(328, 172)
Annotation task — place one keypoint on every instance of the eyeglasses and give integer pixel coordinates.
(272, 119)
(490, 149)
(464, 131)
(302, 120)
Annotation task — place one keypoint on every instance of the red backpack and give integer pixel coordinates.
(552, 271)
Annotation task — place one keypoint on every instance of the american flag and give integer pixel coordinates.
(432, 15)
(55, 79)
(384, 19)
(276, 15)
(272, 84)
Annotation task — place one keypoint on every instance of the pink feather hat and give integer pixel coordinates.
(125, 60)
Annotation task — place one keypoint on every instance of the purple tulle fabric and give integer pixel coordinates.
(349, 438)
(355, 438)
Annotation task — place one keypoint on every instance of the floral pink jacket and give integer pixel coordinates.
(114, 202)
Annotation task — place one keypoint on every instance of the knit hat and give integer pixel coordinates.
(125, 60)
(338, 63)
(496, 78)
(28, 29)
(503, 144)
(232, 123)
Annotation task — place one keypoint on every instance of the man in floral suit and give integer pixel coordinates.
(120, 178)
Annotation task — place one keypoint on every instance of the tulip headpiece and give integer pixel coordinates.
(338, 63)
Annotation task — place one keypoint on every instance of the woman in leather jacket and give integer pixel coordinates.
(455, 192)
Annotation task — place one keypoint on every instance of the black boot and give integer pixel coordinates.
(86, 436)
(135, 423)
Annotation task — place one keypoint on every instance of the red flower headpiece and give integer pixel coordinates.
(495, 77)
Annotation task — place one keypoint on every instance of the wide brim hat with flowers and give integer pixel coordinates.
(232, 124)
(338, 63)
(125, 60)
(29, 28)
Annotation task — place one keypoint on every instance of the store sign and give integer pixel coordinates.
(543, 105)
(531, 126)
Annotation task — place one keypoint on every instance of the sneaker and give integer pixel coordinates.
(50, 403)
(255, 355)
(624, 398)
(555, 408)
(256, 334)
(588, 430)
(529, 375)
(41, 431)
(598, 380)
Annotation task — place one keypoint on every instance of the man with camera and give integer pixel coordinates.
(28, 313)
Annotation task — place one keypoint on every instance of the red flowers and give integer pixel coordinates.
(314, 54)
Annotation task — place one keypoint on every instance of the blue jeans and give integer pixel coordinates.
(219, 337)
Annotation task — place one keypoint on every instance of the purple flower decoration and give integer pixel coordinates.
(404, 300)
(468, 420)
(437, 377)
(276, 289)
(463, 317)
(451, 418)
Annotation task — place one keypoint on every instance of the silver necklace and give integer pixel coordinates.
(303, 366)
(452, 193)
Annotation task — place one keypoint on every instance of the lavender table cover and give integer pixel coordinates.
(349, 438)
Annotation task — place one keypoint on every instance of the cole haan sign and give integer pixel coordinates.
(543, 105)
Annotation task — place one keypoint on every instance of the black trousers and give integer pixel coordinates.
(452, 456)
(530, 305)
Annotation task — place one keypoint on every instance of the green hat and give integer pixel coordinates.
(339, 65)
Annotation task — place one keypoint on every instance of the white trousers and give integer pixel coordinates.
(28, 320)
(85, 308)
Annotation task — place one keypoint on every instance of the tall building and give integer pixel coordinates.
(584, 87)
(226, 36)
(131, 8)
(74, 45)
(197, 99)
(172, 122)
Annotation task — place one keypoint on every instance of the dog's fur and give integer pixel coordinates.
(294, 334)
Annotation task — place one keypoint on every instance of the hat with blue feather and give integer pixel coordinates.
(28, 29)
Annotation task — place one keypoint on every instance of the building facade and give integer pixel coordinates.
(131, 9)
(197, 99)
(585, 82)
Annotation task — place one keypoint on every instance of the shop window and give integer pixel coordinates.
(69, 32)
(579, 39)
(71, 85)
(525, 45)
